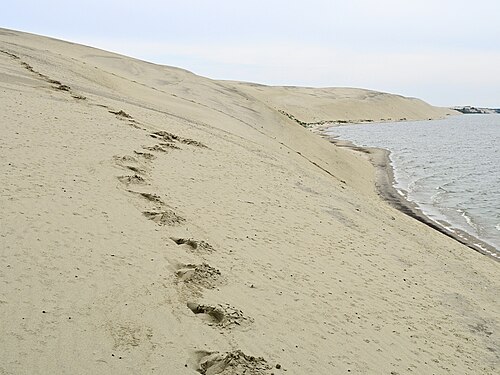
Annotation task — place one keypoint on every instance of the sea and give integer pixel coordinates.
(449, 168)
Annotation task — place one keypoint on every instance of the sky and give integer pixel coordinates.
(446, 52)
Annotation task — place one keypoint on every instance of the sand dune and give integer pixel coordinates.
(155, 221)
(319, 105)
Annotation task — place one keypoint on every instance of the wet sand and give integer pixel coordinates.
(385, 183)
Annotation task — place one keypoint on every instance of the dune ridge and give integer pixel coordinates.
(156, 221)
(337, 105)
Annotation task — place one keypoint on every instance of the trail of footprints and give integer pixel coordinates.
(192, 279)
(195, 277)
(55, 84)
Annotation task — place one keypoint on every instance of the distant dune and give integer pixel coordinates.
(155, 221)
(320, 105)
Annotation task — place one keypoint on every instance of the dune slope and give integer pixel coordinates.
(344, 105)
(155, 221)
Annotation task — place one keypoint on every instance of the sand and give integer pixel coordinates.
(385, 183)
(155, 221)
(317, 106)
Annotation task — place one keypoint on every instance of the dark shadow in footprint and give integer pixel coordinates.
(172, 138)
(121, 113)
(62, 87)
(182, 241)
(216, 314)
(134, 169)
(135, 179)
(222, 316)
(152, 197)
(163, 147)
(193, 244)
(166, 136)
(145, 155)
(192, 142)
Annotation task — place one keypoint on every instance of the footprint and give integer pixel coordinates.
(215, 314)
(166, 136)
(172, 138)
(131, 163)
(135, 169)
(168, 139)
(201, 275)
(126, 159)
(145, 155)
(235, 362)
(194, 245)
(135, 179)
(78, 97)
(154, 198)
(163, 147)
(169, 145)
(164, 217)
(192, 142)
(223, 316)
(60, 86)
(121, 114)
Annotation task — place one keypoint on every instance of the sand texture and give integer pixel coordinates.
(157, 222)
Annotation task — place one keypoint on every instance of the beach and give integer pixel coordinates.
(156, 221)
(385, 183)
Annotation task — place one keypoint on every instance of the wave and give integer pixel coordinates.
(470, 221)
(452, 179)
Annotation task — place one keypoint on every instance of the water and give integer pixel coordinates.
(450, 168)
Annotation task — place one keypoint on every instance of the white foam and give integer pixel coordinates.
(469, 220)
(492, 253)
(446, 183)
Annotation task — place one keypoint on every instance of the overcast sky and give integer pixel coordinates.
(446, 52)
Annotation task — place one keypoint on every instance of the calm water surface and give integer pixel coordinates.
(450, 168)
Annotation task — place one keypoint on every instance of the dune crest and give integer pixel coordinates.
(155, 221)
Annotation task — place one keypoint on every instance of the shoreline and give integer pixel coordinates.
(321, 127)
(385, 185)
(222, 237)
